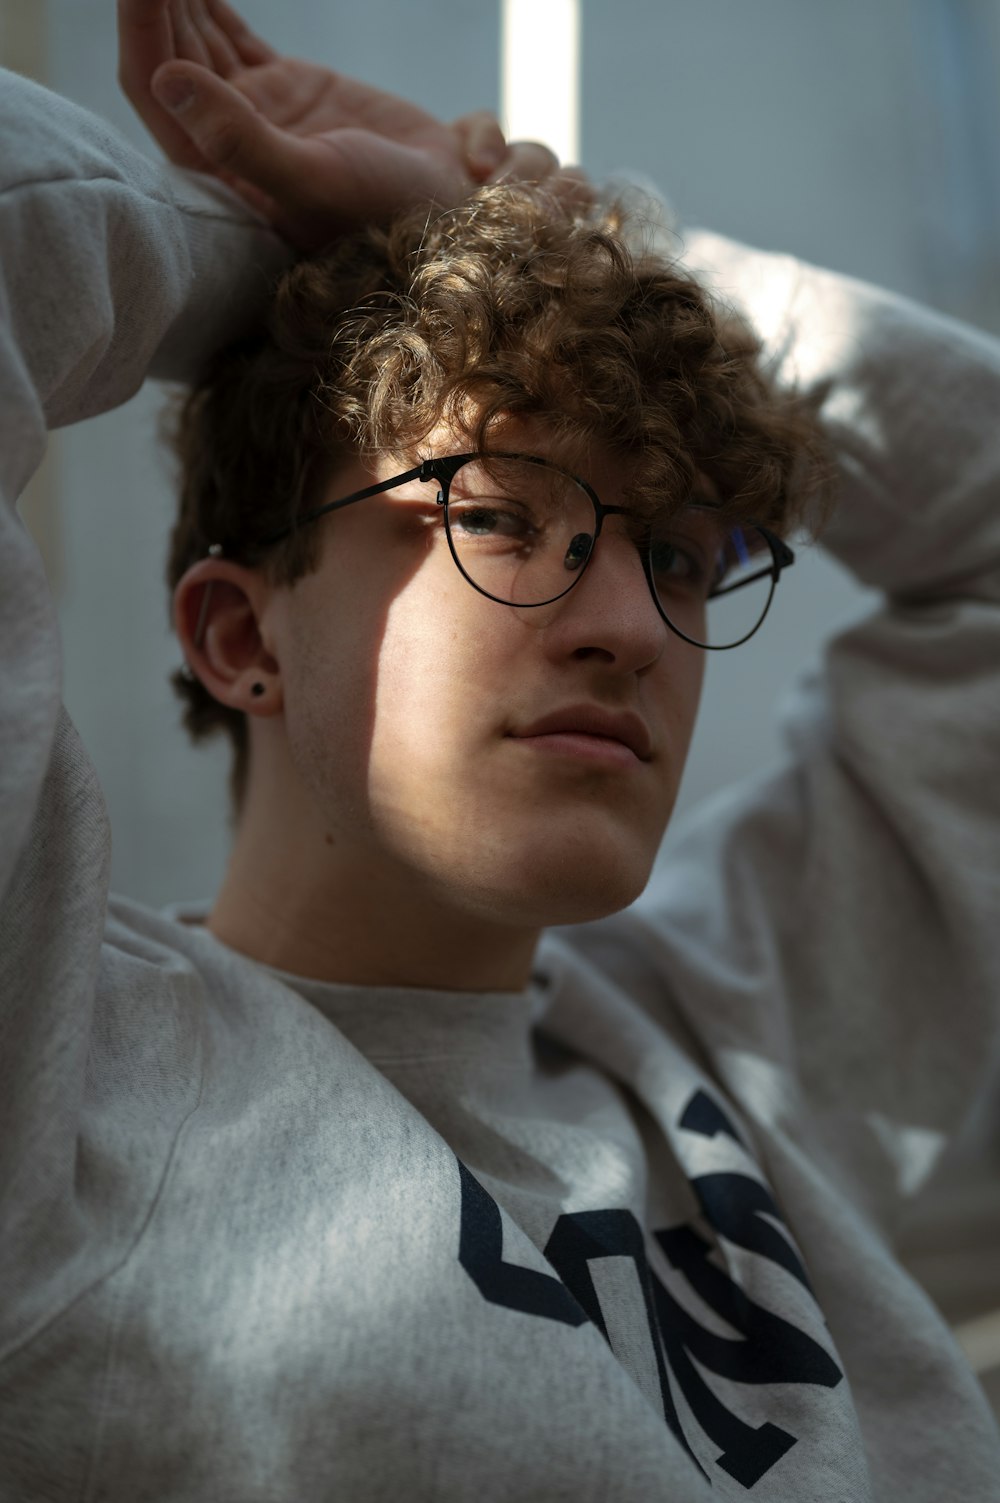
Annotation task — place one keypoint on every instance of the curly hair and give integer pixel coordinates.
(512, 305)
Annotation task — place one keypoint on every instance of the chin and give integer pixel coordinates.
(573, 906)
(574, 890)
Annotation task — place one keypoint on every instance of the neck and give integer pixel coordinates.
(307, 904)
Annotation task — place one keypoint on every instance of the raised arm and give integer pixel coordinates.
(909, 399)
(111, 267)
(828, 930)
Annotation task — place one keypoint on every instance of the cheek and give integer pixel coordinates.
(329, 710)
(687, 683)
(679, 689)
(435, 667)
(392, 692)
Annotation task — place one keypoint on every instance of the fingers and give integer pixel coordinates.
(226, 129)
(488, 158)
(189, 42)
(526, 161)
(145, 43)
(145, 40)
(481, 142)
(249, 48)
(153, 33)
(142, 13)
(222, 55)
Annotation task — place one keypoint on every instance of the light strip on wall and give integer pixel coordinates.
(540, 73)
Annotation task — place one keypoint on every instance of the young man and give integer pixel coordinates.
(459, 704)
(357, 1188)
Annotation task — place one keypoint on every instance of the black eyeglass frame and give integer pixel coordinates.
(445, 468)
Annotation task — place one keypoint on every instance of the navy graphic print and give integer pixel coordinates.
(769, 1349)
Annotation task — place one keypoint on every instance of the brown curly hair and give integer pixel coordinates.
(513, 304)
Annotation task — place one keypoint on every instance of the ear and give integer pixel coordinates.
(218, 611)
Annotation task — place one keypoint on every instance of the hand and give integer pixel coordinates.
(313, 151)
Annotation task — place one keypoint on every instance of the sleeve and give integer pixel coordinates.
(829, 930)
(110, 267)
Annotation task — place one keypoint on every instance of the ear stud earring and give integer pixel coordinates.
(257, 690)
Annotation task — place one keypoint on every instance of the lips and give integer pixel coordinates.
(591, 720)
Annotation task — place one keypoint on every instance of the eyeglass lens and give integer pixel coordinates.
(522, 531)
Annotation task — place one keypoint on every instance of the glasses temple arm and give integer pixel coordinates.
(782, 557)
(363, 495)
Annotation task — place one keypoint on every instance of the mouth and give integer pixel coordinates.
(590, 733)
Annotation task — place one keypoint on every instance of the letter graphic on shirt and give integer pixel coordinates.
(771, 1350)
(767, 1349)
(577, 1241)
(480, 1252)
(734, 1203)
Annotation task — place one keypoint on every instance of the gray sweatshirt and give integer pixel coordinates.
(627, 1235)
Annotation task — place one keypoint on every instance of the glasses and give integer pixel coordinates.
(522, 531)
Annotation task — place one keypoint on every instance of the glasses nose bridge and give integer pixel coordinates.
(633, 550)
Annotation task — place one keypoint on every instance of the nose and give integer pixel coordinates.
(610, 612)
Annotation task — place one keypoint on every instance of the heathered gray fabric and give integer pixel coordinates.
(265, 1238)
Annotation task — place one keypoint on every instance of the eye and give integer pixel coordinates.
(693, 549)
(487, 518)
(683, 561)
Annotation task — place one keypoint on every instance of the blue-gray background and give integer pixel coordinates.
(860, 135)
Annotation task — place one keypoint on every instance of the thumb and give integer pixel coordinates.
(232, 136)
